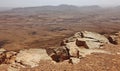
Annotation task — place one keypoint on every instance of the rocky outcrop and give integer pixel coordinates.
(59, 54)
(31, 57)
(87, 39)
(95, 36)
(71, 49)
(8, 57)
(23, 58)
(114, 38)
(79, 45)
(118, 37)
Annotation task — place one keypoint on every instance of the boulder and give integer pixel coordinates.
(89, 43)
(73, 49)
(8, 57)
(2, 50)
(90, 40)
(95, 36)
(93, 45)
(79, 41)
(31, 57)
(118, 39)
(59, 54)
(113, 39)
(74, 60)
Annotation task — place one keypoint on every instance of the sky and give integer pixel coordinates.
(30, 3)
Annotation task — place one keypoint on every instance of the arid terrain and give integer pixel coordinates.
(45, 27)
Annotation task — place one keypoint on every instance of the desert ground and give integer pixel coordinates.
(24, 30)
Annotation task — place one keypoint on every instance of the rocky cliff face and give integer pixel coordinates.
(72, 49)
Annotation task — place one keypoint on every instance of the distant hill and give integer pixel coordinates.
(54, 9)
(47, 8)
(62, 10)
(5, 8)
(57, 8)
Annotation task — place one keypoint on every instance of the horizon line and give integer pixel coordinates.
(60, 5)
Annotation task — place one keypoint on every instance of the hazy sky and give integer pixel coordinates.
(25, 3)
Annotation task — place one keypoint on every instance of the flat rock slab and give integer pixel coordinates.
(32, 57)
(96, 36)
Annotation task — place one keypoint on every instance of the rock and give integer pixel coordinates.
(90, 40)
(10, 53)
(8, 57)
(74, 60)
(63, 43)
(78, 35)
(118, 37)
(73, 49)
(71, 39)
(80, 43)
(2, 50)
(95, 36)
(83, 40)
(31, 57)
(118, 34)
(59, 54)
(88, 43)
(113, 39)
(93, 45)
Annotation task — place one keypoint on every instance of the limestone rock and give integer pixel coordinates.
(113, 39)
(8, 57)
(73, 49)
(59, 54)
(118, 37)
(89, 43)
(90, 40)
(74, 60)
(96, 36)
(83, 40)
(31, 57)
(2, 50)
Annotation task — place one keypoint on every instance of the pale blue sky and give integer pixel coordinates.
(26, 3)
